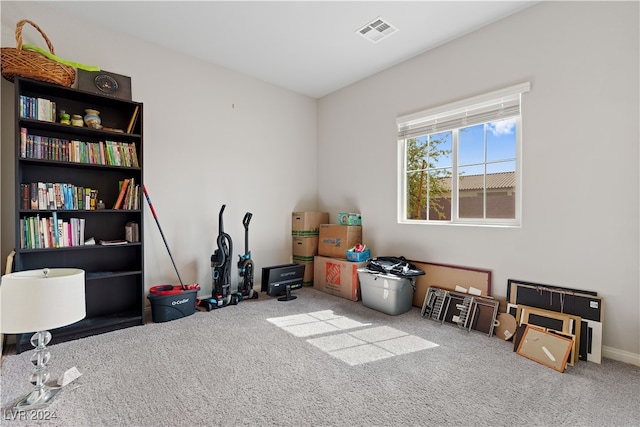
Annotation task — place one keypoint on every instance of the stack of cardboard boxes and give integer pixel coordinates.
(305, 231)
(333, 273)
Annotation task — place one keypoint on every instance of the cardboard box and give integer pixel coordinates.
(302, 259)
(337, 277)
(359, 256)
(307, 223)
(309, 268)
(349, 218)
(336, 239)
(308, 273)
(306, 246)
(307, 261)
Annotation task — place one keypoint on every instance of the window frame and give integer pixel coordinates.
(449, 114)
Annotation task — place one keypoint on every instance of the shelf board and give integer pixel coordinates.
(83, 165)
(77, 248)
(77, 130)
(84, 328)
(71, 211)
(97, 275)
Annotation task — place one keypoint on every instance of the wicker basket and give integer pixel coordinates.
(33, 65)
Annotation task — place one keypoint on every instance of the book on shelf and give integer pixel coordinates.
(44, 110)
(34, 195)
(59, 195)
(25, 200)
(124, 154)
(87, 198)
(28, 227)
(136, 200)
(23, 142)
(123, 191)
(128, 199)
(93, 199)
(134, 154)
(108, 149)
(49, 196)
(116, 153)
(76, 231)
(70, 197)
(61, 233)
(102, 153)
(134, 118)
(34, 226)
(43, 196)
(55, 234)
(81, 231)
(79, 195)
(43, 232)
(113, 242)
(132, 232)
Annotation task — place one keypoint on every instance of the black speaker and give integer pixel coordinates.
(105, 83)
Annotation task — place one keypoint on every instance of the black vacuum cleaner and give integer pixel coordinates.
(245, 264)
(221, 294)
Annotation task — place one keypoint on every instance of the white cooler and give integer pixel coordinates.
(387, 293)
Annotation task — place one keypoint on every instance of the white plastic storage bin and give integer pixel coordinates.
(385, 292)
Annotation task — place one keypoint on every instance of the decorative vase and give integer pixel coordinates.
(92, 118)
(65, 118)
(76, 120)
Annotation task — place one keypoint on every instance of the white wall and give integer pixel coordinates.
(211, 136)
(580, 170)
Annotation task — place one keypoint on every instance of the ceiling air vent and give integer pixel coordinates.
(377, 30)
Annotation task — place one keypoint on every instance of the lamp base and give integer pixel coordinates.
(41, 394)
(36, 399)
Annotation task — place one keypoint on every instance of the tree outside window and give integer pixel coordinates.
(429, 171)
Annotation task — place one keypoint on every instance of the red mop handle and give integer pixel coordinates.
(153, 211)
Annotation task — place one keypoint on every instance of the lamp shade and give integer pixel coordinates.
(41, 300)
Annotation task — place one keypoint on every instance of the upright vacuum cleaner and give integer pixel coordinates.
(221, 294)
(245, 264)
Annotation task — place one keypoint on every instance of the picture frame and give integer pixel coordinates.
(544, 347)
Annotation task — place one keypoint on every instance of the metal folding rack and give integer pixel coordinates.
(436, 304)
(466, 313)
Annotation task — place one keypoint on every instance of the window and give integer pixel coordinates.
(460, 162)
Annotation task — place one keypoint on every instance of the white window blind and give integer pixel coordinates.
(493, 106)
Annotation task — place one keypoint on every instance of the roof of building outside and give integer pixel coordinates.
(494, 181)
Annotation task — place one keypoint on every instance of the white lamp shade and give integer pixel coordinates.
(31, 302)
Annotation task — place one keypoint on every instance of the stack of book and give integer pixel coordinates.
(132, 232)
(57, 196)
(129, 195)
(111, 153)
(51, 232)
(37, 108)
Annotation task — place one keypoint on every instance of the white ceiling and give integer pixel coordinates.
(310, 47)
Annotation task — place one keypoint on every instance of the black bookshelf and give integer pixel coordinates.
(114, 275)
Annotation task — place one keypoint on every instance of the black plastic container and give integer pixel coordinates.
(172, 305)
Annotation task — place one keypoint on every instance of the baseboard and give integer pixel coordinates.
(621, 355)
